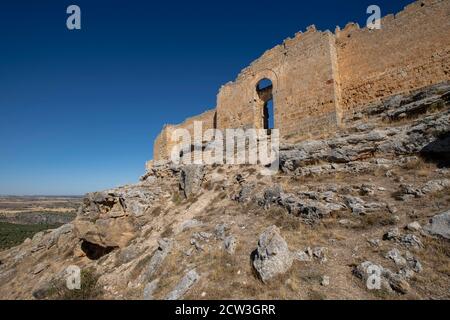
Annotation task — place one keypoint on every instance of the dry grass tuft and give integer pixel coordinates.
(419, 167)
(168, 232)
(282, 219)
(156, 212)
(437, 251)
(220, 170)
(177, 199)
(208, 185)
(88, 291)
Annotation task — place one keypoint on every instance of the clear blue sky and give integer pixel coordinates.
(79, 110)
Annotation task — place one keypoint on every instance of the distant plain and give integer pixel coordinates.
(23, 216)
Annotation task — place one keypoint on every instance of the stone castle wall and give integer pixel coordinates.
(163, 143)
(318, 77)
(412, 50)
(302, 74)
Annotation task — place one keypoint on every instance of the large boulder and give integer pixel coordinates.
(111, 218)
(103, 220)
(191, 178)
(439, 225)
(272, 256)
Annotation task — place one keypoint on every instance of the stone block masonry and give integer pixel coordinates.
(317, 78)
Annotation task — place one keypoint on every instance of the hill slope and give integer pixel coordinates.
(339, 207)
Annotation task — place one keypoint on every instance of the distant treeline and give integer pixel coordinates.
(30, 218)
(12, 234)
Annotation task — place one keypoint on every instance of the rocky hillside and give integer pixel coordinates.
(373, 198)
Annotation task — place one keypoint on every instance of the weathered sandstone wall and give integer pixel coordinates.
(317, 77)
(412, 50)
(163, 143)
(304, 91)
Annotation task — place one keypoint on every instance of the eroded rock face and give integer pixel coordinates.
(309, 206)
(272, 256)
(184, 285)
(104, 221)
(59, 235)
(428, 137)
(110, 218)
(150, 289)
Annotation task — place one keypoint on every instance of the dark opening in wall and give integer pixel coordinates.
(94, 251)
(264, 84)
(269, 121)
(264, 89)
(215, 120)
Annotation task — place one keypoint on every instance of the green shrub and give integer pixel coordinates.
(12, 234)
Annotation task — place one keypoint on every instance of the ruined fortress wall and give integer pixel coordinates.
(159, 146)
(304, 92)
(319, 76)
(163, 143)
(412, 50)
(207, 119)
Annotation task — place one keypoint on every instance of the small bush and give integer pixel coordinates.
(208, 185)
(220, 170)
(316, 295)
(192, 199)
(375, 220)
(168, 232)
(282, 219)
(176, 198)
